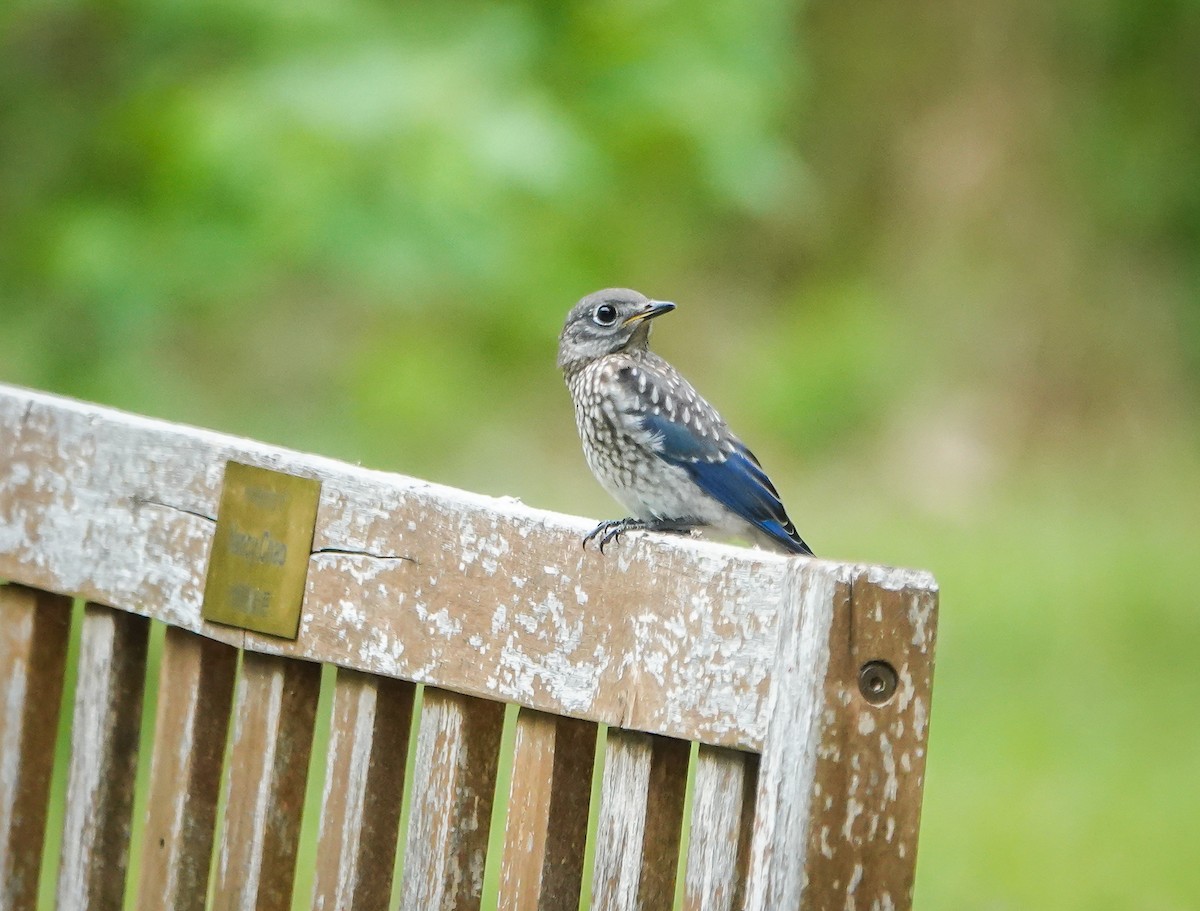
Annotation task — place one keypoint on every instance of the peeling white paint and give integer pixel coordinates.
(856, 876)
(891, 785)
(350, 615)
(499, 618)
(920, 718)
(920, 613)
(854, 809)
(896, 579)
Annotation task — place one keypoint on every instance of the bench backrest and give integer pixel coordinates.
(783, 703)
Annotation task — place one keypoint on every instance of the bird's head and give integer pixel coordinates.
(604, 322)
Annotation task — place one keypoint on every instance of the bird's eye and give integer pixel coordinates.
(605, 315)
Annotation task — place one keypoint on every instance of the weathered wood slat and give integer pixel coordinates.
(546, 827)
(34, 627)
(779, 838)
(274, 710)
(364, 781)
(104, 748)
(621, 827)
(454, 782)
(871, 760)
(570, 803)
(641, 812)
(195, 692)
(525, 827)
(722, 811)
(664, 823)
(479, 595)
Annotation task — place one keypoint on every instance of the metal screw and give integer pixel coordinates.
(877, 682)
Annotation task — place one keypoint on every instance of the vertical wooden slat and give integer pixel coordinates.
(195, 691)
(525, 827)
(664, 823)
(546, 828)
(274, 709)
(722, 807)
(104, 747)
(641, 813)
(870, 770)
(454, 782)
(34, 628)
(360, 806)
(621, 827)
(570, 802)
(775, 878)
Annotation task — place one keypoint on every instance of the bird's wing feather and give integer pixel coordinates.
(739, 483)
(684, 430)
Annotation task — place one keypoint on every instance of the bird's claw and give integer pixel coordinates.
(610, 530)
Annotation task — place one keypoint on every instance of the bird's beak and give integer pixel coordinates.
(650, 310)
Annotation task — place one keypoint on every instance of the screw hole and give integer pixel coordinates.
(877, 682)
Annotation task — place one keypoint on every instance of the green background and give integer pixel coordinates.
(939, 263)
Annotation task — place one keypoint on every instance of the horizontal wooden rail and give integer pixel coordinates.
(120, 509)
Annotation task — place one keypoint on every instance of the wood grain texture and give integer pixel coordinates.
(664, 823)
(274, 709)
(104, 748)
(722, 810)
(779, 839)
(364, 781)
(640, 818)
(454, 783)
(546, 827)
(621, 826)
(408, 579)
(871, 760)
(527, 820)
(195, 693)
(34, 627)
(570, 801)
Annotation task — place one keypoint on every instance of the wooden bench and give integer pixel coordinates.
(766, 716)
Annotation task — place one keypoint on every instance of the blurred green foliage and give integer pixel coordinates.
(938, 263)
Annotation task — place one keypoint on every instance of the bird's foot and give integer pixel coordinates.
(611, 529)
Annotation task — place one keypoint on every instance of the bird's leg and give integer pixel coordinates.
(682, 526)
(611, 529)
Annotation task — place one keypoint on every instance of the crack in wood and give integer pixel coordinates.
(363, 553)
(139, 501)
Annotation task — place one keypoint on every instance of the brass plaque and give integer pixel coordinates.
(260, 551)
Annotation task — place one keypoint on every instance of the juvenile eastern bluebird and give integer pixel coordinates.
(650, 439)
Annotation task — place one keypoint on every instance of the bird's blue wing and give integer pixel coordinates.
(739, 484)
(718, 463)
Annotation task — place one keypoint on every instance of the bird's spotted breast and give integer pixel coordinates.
(622, 453)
